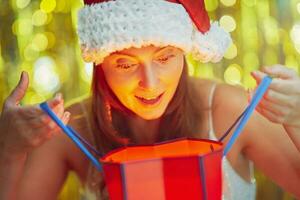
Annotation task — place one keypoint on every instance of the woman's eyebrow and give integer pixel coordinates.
(128, 54)
(122, 53)
(160, 49)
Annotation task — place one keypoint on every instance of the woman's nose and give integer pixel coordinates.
(148, 78)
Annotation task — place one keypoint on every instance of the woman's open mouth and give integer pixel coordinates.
(150, 101)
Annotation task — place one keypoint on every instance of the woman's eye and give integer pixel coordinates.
(165, 59)
(125, 65)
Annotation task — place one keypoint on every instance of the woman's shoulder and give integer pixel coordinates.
(225, 98)
(234, 96)
(204, 87)
(229, 103)
(201, 89)
(201, 83)
(79, 109)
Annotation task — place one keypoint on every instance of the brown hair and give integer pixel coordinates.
(182, 117)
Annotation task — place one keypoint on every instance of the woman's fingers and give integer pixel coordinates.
(258, 76)
(279, 98)
(59, 111)
(65, 119)
(283, 86)
(55, 130)
(43, 119)
(283, 78)
(34, 111)
(275, 108)
(280, 71)
(269, 115)
(29, 126)
(55, 101)
(36, 136)
(282, 100)
(18, 92)
(272, 96)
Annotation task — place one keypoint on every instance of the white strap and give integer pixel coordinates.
(210, 118)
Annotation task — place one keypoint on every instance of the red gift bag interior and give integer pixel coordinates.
(178, 169)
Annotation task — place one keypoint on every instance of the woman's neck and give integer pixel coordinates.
(143, 131)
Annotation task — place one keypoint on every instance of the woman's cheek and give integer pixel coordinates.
(173, 74)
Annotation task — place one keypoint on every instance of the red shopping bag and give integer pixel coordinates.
(178, 169)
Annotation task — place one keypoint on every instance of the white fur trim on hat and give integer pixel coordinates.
(211, 46)
(107, 27)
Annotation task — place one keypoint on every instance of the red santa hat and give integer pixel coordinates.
(106, 26)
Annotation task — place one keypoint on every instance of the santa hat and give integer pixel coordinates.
(106, 26)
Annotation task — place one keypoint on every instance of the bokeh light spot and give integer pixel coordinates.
(22, 3)
(298, 7)
(231, 52)
(48, 5)
(297, 46)
(49, 18)
(30, 53)
(39, 18)
(271, 31)
(88, 69)
(40, 42)
(45, 78)
(228, 2)
(211, 5)
(295, 33)
(51, 39)
(24, 27)
(233, 74)
(87, 72)
(228, 23)
(15, 27)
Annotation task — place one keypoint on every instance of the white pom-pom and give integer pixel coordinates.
(212, 45)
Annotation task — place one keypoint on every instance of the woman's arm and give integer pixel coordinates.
(265, 143)
(23, 129)
(294, 133)
(45, 171)
(11, 170)
(38, 174)
(47, 166)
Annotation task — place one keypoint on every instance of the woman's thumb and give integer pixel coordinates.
(20, 90)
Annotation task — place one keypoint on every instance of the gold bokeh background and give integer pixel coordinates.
(39, 36)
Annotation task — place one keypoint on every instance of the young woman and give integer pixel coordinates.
(141, 94)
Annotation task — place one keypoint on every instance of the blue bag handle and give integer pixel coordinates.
(75, 137)
(244, 117)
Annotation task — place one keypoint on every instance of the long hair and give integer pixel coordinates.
(182, 118)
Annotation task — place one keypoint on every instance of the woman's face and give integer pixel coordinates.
(144, 79)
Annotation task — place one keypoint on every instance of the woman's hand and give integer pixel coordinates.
(281, 103)
(24, 127)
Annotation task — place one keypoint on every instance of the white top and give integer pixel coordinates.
(234, 186)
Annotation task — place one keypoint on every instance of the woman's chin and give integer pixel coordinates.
(150, 116)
